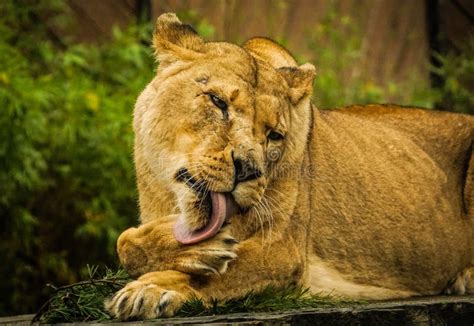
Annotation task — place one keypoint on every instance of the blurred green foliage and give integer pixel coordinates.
(67, 177)
(457, 74)
(67, 185)
(339, 79)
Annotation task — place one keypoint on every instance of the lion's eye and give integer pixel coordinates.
(273, 135)
(221, 104)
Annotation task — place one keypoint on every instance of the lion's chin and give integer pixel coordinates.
(223, 206)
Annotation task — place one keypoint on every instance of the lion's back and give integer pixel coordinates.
(437, 132)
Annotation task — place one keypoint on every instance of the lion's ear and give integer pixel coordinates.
(174, 41)
(270, 51)
(300, 81)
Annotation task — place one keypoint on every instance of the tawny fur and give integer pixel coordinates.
(371, 202)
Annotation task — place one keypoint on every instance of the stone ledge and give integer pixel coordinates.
(440, 310)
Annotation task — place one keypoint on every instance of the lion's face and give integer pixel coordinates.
(216, 129)
(213, 132)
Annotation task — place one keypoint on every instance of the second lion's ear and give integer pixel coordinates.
(174, 41)
(300, 81)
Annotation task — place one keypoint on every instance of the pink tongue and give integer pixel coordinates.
(222, 208)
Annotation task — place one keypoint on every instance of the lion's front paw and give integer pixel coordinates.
(153, 295)
(144, 300)
(209, 257)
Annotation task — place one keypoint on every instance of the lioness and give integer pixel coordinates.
(244, 184)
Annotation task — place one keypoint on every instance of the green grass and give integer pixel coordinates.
(268, 300)
(84, 301)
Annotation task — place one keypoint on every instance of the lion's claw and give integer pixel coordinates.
(210, 257)
(143, 300)
(230, 241)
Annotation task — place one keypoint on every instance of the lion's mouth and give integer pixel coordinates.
(220, 207)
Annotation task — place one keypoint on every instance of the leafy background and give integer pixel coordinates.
(67, 185)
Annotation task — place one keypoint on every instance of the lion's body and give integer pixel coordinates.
(371, 202)
(392, 181)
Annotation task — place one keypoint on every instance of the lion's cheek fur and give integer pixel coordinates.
(300, 124)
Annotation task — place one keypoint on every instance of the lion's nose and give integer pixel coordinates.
(245, 170)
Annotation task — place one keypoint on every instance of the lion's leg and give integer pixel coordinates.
(161, 294)
(463, 283)
(221, 263)
(326, 279)
(259, 263)
(152, 247)
(153, 295)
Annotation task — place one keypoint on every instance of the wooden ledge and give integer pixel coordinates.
(439, 310)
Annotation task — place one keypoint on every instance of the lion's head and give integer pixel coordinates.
(217, 123)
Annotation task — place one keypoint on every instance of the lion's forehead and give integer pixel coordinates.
(269, 80)
(271, 96)
(233, 60)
